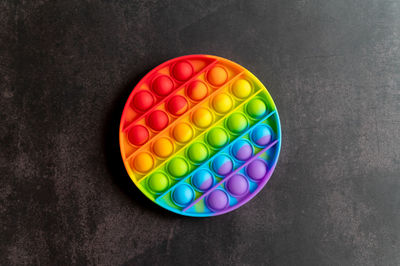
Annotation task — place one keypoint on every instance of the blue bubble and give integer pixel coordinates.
(183, 195)
(222, 165)
(261, 135)
(242, 150)
(202, 180)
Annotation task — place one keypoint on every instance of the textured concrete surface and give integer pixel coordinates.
(67, 67)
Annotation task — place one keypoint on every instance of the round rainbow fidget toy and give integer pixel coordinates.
(200, 135)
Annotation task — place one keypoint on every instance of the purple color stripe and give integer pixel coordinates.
(229, 176)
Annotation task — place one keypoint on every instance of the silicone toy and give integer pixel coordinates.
(200, 135)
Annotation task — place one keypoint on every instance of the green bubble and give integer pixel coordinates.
(217, 137)
(158, 182)
(237, 122)
(256, 108)
(178, 167)
(198, 152)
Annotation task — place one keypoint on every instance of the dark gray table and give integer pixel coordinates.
(67, 68)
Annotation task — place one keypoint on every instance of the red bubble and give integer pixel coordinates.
(138, 135)
(177, 105)
(143, 100)
(157, 120)
(183, 70)
(163, 85)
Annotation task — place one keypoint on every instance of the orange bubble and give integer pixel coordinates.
(143, 162)
(182, 132)
(217, 76)
(163, 147)
(197, 90)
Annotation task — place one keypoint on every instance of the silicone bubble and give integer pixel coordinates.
(157, 120)
(200, 135)
(222, 103)
(163, 85)
(198, 152)
(202, 180)
(218, 200)
(257, 169)
(241, 88)
(217, 75)
(177, 105)
(202, 117)
(178, 167)
(242, 150)
(256, 108)
(158, 182)
(183, 194)
(182, 132)
(182, 70)
(143, 100)
(143, 162)
(237, 122)
(197, 90)
(261, 135)
(217, 137)
(138, 135)
(222, 164)
(163, 147)
(237, 185)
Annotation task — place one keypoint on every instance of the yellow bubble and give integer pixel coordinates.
(143, 162)
(222, 103)
(182, 132)
(163, 147)
(202, 117)
(241, 88)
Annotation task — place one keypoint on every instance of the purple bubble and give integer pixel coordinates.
(257, 169)
(218, 200)
(237, 185)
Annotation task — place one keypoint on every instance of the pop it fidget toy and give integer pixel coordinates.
(200, 135)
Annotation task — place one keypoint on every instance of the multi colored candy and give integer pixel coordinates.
(200, 135)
